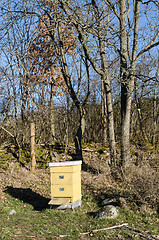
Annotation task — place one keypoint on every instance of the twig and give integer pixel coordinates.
(105, 229)
(142, 234)
(97, 230)
(8, 132)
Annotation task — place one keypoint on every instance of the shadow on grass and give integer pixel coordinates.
(28, 196)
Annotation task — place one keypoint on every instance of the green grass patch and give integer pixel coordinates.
(28, 223)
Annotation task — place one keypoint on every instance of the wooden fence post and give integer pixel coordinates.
(32, 144)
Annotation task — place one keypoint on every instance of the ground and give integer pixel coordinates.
(28, 193)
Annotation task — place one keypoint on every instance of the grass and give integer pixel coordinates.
(21, 190)
(28, 223)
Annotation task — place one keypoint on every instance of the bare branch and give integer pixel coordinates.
(113, 8)
(151, 45)
(81, 38)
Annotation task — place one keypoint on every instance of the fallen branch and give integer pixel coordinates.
(98, 230)
(105, 229)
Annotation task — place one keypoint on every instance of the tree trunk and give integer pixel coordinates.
(155, 116)
(125, 125)
(127, 78)
(79, 134)
(67, 124)
(52, 117)
(125, 88)
(104, 114)
(110, 118)
(139, 112)
(107, 94)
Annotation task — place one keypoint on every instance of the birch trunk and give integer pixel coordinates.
(127, 79)
(104, 116)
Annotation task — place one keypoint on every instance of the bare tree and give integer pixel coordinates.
(82, 35)
(129, 53)
(102, 70)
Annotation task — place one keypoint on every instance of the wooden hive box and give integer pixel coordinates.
(65, 182)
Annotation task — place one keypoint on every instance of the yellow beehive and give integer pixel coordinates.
(65, 182)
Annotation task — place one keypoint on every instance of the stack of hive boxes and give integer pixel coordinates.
(65, 182)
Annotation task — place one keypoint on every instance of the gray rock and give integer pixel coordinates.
(108, 211)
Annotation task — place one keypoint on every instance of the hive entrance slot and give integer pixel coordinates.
(59, 201)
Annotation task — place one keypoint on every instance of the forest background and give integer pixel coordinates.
(86, 74)
(82, 71)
